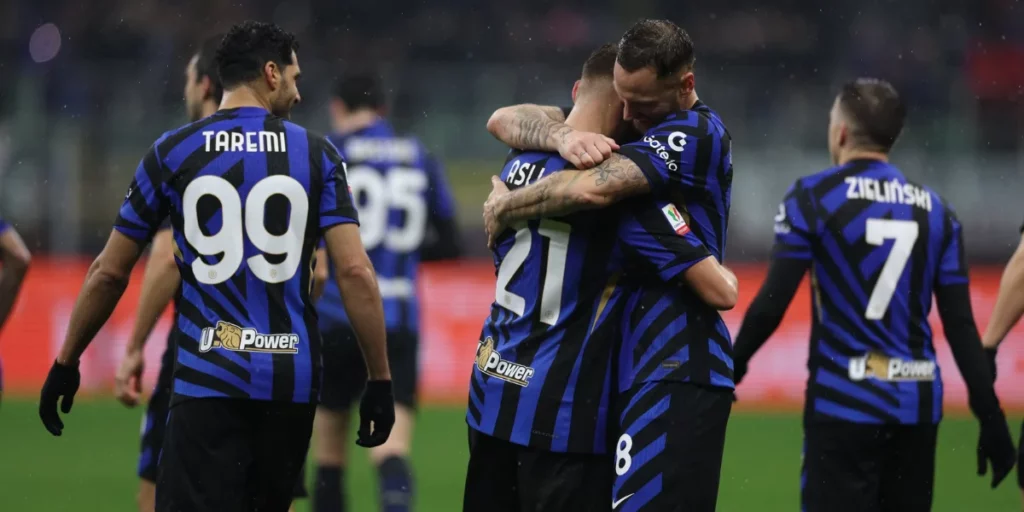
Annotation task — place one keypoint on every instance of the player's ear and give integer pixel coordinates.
(207, 86)
(687, 82)
(271, 74)
(575, 91)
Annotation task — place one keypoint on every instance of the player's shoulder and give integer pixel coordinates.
(698, 121)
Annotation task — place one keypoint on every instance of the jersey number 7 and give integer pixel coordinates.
(904, 234)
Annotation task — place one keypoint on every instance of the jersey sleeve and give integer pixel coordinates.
(4, 226)
(336, 204)
(953, 265)
(441, 202)
(794, 225)
(655, 234)
(145, 205)
(668, 157)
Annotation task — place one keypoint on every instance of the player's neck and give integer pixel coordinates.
(209, 108)
(587, 116)
(689, 100)
(243, 96)
(848, 156)
(355, 121)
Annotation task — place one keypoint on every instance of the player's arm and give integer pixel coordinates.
(543, 128)
(1009, 303)
(320, 273)
(445, 242)
(795, 226)
(16, 259)
(714, 283)
(159, 284)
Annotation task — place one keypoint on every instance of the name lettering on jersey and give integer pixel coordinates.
(675, 219)
(882, 367)
(489, 361)
(892, 191)
(524, 173)
(361, 149)
(782, 226)
(249, 142)
(658, 148)
(243, 339)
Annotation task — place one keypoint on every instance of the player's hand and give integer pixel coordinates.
(376, 410)
(128, 381)
(492, 222)
(62, 381)
(585, 149)
(990, 355)
(995, 447)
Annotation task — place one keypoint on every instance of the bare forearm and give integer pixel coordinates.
(1010, 302)
(529, 126)
(361, 297)
(160, 283)
(94, 306)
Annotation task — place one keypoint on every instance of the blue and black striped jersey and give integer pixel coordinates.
(878, 246)
(669, 333)
(248, 195)
(4, 226)
(399, 190)
(544, 362)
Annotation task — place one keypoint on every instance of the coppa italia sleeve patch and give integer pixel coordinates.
(675, 219)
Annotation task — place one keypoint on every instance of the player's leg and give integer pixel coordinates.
(492, 476)
(553, 482)
(842, 467)
(153, 427)
(669, 453)
(391, 459)
(344, 378)
(280, 444)
(207, 457)
(908, 477)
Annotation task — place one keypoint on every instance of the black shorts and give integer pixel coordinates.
(867, 468)
(155, 420)
(228, 455)
(345, 370)
(668, 456)
(506, 477)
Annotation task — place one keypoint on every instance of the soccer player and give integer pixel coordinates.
(675, 365)
(878, 247)
(15, 258)
(539, 395)
(403, 201)
(247, 371)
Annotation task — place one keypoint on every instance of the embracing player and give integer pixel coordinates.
(878, 246)
(247, 370)
(540, 394)
(675, 364)
(15, 258)
(406, 215)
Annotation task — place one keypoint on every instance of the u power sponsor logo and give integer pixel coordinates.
(882, 367)
(243, 339)
(489, 361)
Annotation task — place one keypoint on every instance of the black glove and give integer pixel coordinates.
(995, 447)
(377, 406)
(62, 381)
(990, 355)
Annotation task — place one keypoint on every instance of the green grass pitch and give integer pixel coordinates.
(92, 467)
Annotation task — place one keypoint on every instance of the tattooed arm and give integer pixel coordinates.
(542, 128)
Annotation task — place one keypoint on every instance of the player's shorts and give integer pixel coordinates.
(865, 468)
(345, 370)
(155, 420)
(506, 477)
(1020, 457)
(668, 456)
(228, 455)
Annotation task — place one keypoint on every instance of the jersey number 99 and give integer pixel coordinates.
(230, 240)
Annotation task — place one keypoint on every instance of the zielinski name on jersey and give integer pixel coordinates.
(489, 362)
(892, 191)
(244, 339)
(882, 367)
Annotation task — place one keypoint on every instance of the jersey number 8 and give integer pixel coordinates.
(230, 241)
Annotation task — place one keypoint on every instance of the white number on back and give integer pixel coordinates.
(904, 234)
(376, 194)
(551, 295)
(230, 240)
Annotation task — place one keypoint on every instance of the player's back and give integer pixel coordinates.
(247, 195)
(879, 245)
(396, 187)
(542, 366)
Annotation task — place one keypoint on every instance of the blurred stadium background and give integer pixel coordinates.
(89, 85)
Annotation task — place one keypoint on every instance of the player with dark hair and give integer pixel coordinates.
(675, 369)
(15, 258)
(247, 370)
(541, 392)
(878, 247)
(407, 215)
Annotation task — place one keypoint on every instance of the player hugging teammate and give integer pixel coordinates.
(636, 371)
